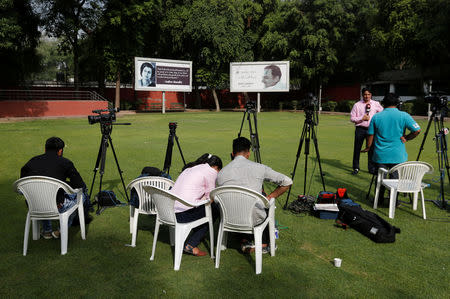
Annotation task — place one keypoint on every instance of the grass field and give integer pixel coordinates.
(415, 266)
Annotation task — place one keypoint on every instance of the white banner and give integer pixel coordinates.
(259, 76)
(162, 74)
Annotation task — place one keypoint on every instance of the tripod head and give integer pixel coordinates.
(309, 105)
(172, 128)
(438, 103)
(250, 107)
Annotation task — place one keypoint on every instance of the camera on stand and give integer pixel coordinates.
(250, 107)
(437, 101)
(103, 116)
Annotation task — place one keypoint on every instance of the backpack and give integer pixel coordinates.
(367, 223)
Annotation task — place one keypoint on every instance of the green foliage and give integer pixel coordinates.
(53, 60)
(19, 37)
(345, 106)
(408, 107)
(329, 105)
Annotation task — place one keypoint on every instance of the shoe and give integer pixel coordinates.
(47, 235)
(355, 171)
(56, 234)
(189, 249)
(267, 249)
(247, 246)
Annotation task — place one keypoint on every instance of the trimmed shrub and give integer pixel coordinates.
(345, 106)
(329, 106)
(408, 107)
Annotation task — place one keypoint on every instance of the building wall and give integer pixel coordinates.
(49, 108)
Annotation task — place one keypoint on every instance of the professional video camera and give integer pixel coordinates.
(310, 102)
(436, 99)
(104, 116)
(250, 106)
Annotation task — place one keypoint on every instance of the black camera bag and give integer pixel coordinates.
(367, 223)
(107, 198)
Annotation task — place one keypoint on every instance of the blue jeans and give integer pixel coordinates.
(69, 201)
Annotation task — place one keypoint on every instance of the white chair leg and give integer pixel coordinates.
(224, 240)
(377, 193)
(135, 225)
(26, 234)
(219, 247)
(36, 229)
(132, 208)
(258, 251)
(392, 202)
(272, 236)
(423, 205)
(179, 244)
(155, 239)
(415, 198)
(64, 232)
(211, 230)
(81, 220)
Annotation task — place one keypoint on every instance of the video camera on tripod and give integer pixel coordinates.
(104, 116)
(438, 102)
(310, 105)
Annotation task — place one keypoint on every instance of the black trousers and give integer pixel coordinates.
(360, 136)
(199, 232)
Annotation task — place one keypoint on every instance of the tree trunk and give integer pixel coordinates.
(117, 99)
(216, 100)
(75, 63)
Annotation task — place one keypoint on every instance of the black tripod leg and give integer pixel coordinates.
(97, 163)
(255, 137)
(168, 158)
(316, 145)
(118, 168)
(179, 148)
(297, 156)
(242, 123)
(307, 144)
(425, 135)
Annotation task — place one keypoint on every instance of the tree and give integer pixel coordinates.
(70, 21)
(19, 38)
(211, 34)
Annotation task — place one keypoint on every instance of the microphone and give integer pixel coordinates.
(367, 108)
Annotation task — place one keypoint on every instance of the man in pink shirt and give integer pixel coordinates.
(361, 115)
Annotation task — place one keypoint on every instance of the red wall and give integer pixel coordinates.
(49, 108)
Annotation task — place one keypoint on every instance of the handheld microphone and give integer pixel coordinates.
(367, 108)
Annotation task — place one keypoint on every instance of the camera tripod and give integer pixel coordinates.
(250, 109)
(437, 117)
(106, 141)
(307, 132)
(169, 149)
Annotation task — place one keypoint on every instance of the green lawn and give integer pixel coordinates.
(416, 265)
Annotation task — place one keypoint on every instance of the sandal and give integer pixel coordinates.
(189, 249)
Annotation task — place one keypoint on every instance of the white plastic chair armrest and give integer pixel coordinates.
(200, 203)
(382, 171)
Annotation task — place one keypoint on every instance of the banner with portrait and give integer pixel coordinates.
(259, 76)
(162, 74)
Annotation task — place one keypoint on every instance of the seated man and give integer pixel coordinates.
(251, 175)
(53, 164)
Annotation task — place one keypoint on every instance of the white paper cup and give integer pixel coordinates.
(337, 262)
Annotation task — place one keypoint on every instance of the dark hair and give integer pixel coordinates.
(151, 171)
(241, 144)
(391, 99)
(364, 90)
(212, 160)
(54, 144)
(147, 64)
(276, 72)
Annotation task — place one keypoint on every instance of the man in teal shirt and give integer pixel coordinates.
(387, 133)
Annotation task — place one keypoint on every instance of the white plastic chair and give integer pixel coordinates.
(40, 193)
(409, 180)
(146, 205)
(236, 209)
(164, 202)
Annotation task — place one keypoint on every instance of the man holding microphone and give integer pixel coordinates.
(361, 115)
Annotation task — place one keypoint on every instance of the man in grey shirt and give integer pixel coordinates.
(249, 174)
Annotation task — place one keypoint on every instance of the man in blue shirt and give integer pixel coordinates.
(387, 131)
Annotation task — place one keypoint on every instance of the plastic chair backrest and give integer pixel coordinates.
(164, 202)
(145, 199)
(237, 205)
(40, 193)
(410, 175)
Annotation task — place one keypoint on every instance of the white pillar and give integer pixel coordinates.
(163, 106)
(258, 103)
